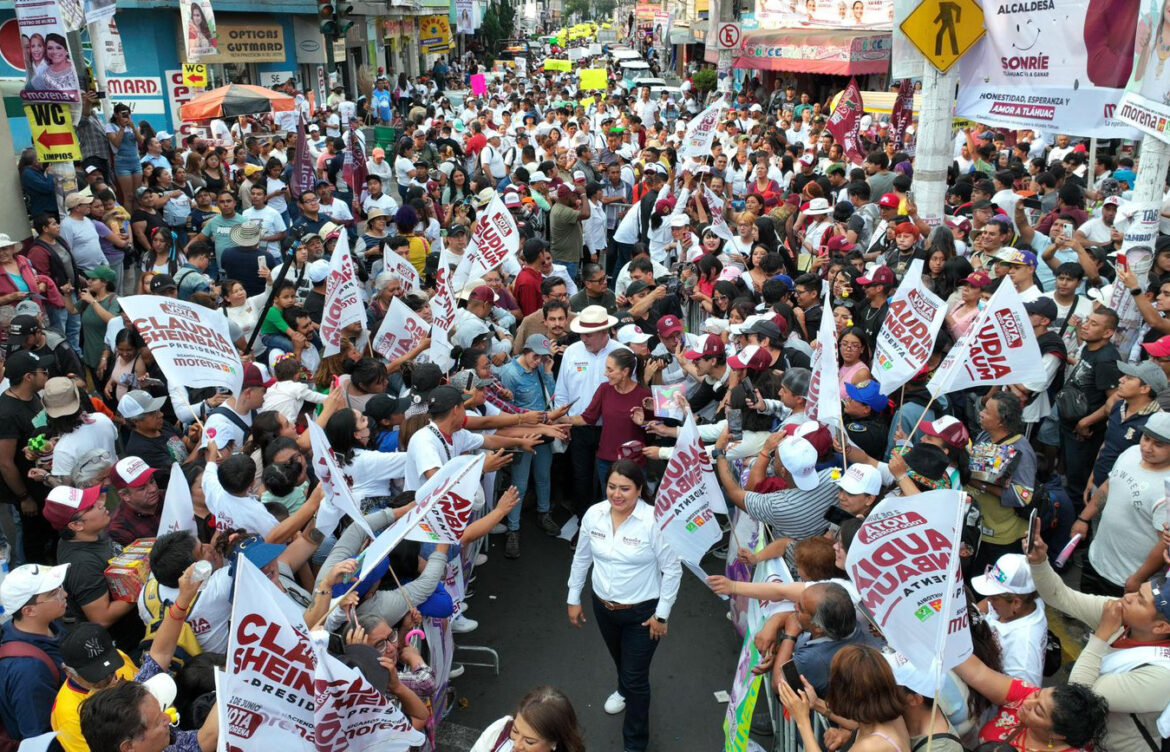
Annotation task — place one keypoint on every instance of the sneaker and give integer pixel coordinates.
(615, 703)
(512, 546)
(480, 560)
(499, 529)
(462, 625)
(456, 671)
(548, 525)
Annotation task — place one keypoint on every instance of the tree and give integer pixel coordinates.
(499, 22)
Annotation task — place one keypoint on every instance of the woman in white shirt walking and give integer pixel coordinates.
(635, 582)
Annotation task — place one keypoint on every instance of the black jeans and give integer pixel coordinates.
(1094, 583)
(1079, 456)
(583, 443)
(632, 649)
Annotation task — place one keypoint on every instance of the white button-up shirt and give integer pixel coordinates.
(630, 565)
(582, 372)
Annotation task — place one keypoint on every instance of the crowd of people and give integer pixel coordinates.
(636, 268)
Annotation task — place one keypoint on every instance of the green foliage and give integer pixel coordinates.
(499, 21)
(705, 79)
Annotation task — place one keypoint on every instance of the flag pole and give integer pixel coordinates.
(920, 417)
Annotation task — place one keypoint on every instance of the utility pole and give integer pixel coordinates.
(933, 152)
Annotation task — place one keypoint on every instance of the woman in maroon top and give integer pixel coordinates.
(614, 403)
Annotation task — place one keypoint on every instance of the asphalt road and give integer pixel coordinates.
(520, 607)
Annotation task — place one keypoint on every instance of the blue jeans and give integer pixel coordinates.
(73, 331)
(58, 318)
(541, 463)
(571, 270)
(277, 342)
(603, 467)
(632, 650)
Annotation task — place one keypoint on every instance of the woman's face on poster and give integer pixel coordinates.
(56, 52)
(196, 14)
(36, 48)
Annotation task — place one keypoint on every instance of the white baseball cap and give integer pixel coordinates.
(799, 458)
(860, 478)
(680, 220)
(632, 334)
(1009, 574)
(318, 271)
(28, 581)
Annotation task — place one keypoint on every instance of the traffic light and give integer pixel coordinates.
(325, 16)
(343, 23)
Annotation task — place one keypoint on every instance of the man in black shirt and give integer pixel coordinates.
(20, 409)
(147, 218)
(26, 333)
(807, 292)
(1095, 375)
(81, 518)
(878, 285)
(314, 304)
(157, 442)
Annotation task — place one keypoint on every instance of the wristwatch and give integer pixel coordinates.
(716, 453)
(659, 619)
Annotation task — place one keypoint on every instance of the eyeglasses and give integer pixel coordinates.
(381, 645)
(718, 297)
(53, 595)
(599, 281)
(850, 345)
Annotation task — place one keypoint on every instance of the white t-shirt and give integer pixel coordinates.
(210, 615)
(271, 223)
(371, 471)
(99, 433)
(1097, 231)
(234, 511)
(1131, 519)
(1022, 641)
(223, 430)
(402, 169)
(430, 450)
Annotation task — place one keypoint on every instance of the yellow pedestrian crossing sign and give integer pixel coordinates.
(943, 30)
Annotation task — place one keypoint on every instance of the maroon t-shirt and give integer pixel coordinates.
(614, 409)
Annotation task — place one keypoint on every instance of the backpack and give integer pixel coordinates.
(187, 647)
(19, 649)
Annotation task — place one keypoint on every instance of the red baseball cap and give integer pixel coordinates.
(483, 294)
(947, 428)
(839, 244)
(669, 324)
(64, 503)
(889, 201)
(710, 346)
(130, 472)
(1159, 348)
(882, 275)
(752, 357)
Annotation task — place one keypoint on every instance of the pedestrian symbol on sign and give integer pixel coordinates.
(948, 16)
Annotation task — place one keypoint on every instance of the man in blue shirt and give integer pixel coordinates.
(380, 100)
(30, 669)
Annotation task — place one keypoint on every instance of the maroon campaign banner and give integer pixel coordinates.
(845, 123)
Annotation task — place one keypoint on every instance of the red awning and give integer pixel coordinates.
(836, 52)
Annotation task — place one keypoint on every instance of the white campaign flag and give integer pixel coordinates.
(448, 500)
(715, 209)
(700, 131)
(268, 691)
(427, 498)
(343, 299)
(495, 239)
(352, 715)
(400, 331)
(904, 563)
(688, 498)
(999, 348)
(178, 513)
(190, 342)
(824, 391)
(337, 498)
(907, 335)
(442, 305)
(395, 264)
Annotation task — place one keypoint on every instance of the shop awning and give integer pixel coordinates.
(832, 51)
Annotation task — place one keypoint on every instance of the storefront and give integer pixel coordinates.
(825, 51)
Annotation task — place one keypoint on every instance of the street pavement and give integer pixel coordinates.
(520, 607)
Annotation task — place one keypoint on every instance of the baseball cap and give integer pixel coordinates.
(252, 377)
(23, 325)
(710, 346)
(669, 324)
(90, 651)
(1111, 201)
(483, 294)
(1009, 255)
(808, 159)
(131, 472)
(764, 327)
(680, 220)
(1009, 574)
(65, 502)
(881, 275)
(860, 478)
(136, 403)
(752, 357)
(889, 201)
(1159, 348)
(868, 393)
(632, 334)
(318, 271)
(637, 286)
(77, 199)
(1158, 588)
(162, 282)
(1042, 306)
(799, 458)
(511, 201)
(21, 363)
(60, 397)
(466, 379)
(1147, 372)
(443, 398)
(257, 551)
(28, 581)
(539, 344)
(979, 279)
(948, 428)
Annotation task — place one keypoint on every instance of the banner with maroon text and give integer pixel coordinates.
(845, 123)
(907, 336)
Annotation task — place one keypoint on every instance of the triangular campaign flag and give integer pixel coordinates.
(905, 341)
(337, 498)
(688, 498)
(343, 299)
(178, 513)
(700, 133)
(845, 123)
(824, 390)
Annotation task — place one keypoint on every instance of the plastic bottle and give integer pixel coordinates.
(201, 573)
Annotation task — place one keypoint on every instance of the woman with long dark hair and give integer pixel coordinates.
(543, 722)
(635, 583)
(348, 431)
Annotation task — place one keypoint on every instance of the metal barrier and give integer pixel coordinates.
(785, 735)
